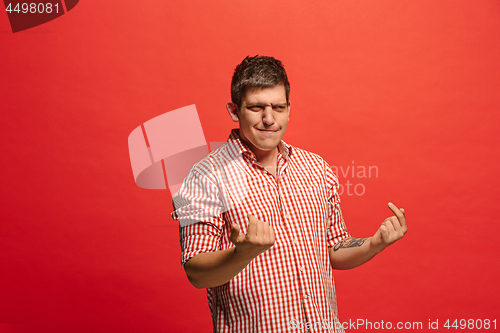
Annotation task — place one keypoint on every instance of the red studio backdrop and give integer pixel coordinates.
(407, 91)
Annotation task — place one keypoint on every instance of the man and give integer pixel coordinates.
(261, 225)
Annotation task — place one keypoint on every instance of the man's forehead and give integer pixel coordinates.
(275, 95)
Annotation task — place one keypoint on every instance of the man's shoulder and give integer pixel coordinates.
(313, 164)
(213, 161)
(307, 156)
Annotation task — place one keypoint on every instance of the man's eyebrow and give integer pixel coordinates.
(272, 104)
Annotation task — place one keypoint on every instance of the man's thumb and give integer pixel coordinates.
(235, 232)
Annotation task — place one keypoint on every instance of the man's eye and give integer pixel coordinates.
(279, 107)
(256, 108)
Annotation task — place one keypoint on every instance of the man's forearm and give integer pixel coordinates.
(212, 269)
(352, 252)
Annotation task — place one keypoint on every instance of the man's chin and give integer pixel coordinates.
(267, 146)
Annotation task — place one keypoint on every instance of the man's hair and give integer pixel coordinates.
(257, 72)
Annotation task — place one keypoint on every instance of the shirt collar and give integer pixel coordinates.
(237, 147)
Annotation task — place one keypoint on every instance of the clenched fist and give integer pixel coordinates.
(259, 238)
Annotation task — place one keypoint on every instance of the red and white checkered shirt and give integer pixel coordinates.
(290, 284)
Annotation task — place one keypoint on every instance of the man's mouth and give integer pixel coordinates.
(269, 131)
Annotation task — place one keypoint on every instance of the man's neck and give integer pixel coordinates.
(267, 158)
(264, 157)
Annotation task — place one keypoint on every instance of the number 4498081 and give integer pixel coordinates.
(471, 324)
(33, 8)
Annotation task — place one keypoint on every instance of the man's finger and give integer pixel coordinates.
(395, 224)
(384, 233)
(390, 225)
(403, 211)
(260, 228)
(252, 225)
(399, 214)
(265, 229)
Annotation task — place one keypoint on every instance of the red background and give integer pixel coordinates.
(408, 86)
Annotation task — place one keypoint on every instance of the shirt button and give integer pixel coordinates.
(302, 268)
(295, 241)
(306, 296)
(287, 216)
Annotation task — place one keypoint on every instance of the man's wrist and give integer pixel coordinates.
(240, 256)
(376, 248)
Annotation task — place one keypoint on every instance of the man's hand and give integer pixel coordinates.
(259, 238)
(212, 269)
(392, 229)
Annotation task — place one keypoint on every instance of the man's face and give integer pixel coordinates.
(263, 118)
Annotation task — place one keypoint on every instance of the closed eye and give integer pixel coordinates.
(258, 108)
(255, 107)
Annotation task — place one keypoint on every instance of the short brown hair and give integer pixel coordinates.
(257, 72)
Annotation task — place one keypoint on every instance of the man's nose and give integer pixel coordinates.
(268, 116)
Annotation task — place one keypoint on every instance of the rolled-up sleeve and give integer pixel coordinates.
(198, 209)
(337, 229)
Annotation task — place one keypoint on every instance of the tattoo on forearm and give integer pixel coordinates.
(349, 242)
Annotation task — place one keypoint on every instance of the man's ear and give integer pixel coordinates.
(289, 104)
(233, 111)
